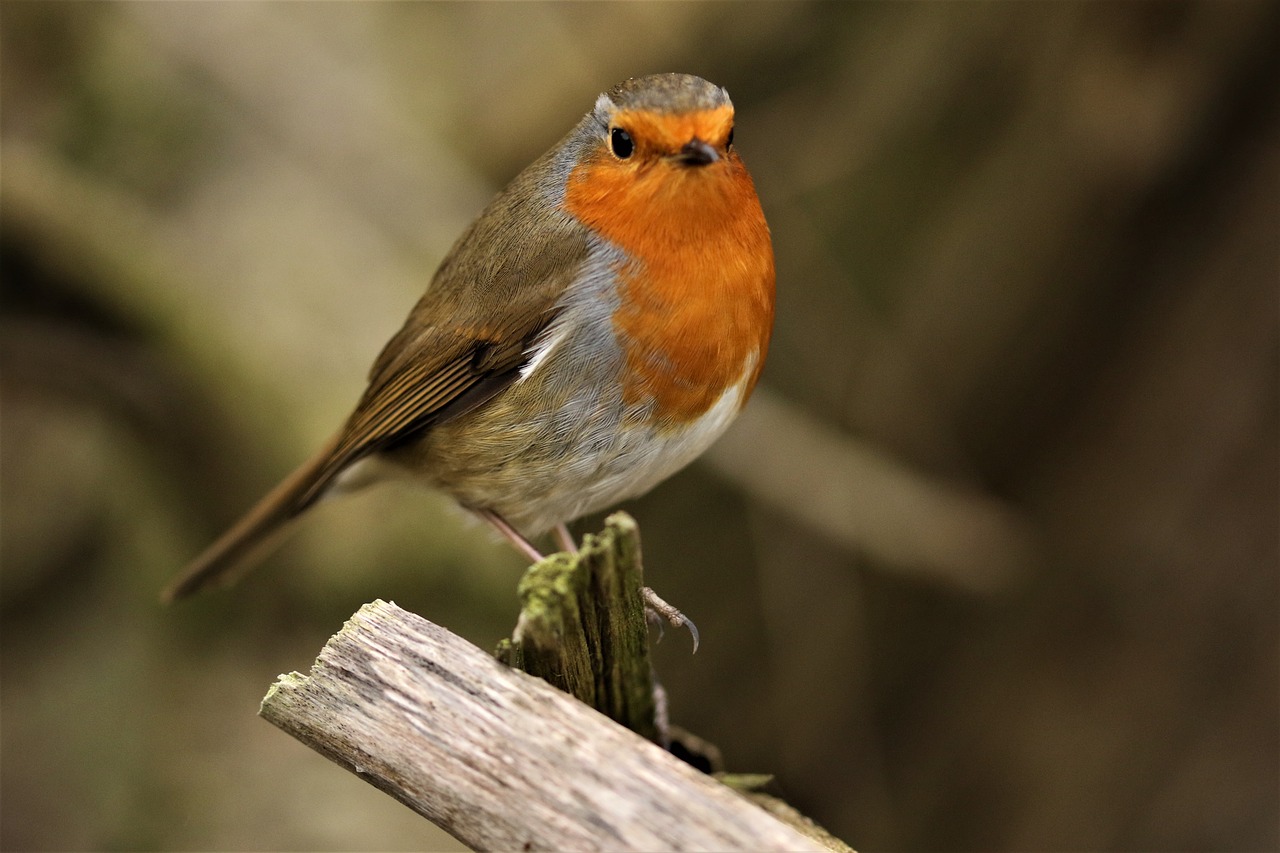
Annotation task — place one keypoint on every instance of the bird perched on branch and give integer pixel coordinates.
(592, 332)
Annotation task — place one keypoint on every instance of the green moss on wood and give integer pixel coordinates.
(582, 626)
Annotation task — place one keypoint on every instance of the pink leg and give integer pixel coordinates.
(565, 539)
(524, 546)
(654, 605)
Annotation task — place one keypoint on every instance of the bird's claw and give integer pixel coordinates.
(658, 610)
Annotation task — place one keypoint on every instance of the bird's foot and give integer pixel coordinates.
(657, 610)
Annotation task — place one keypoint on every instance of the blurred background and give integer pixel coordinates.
(990, 562)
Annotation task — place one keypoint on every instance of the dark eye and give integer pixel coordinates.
(622, 143)
(728, 142)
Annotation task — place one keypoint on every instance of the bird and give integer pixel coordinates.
(592, 332)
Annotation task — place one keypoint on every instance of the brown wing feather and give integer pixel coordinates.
(463, 343)
(412, 395)
(406, 401)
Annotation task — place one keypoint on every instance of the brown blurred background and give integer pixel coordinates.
(990, 563)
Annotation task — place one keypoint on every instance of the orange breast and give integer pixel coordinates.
(697, 288)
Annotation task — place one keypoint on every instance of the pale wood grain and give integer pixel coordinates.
(499, 759)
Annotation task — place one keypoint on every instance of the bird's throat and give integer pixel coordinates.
(696, 288)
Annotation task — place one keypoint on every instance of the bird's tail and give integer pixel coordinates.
(255, 535)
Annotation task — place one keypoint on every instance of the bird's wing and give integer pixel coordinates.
(436, 380)
(435, 369)
(465, 341)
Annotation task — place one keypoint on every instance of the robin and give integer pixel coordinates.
(592, 332)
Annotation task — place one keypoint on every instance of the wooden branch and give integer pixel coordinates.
(872, 503)
(499, 759)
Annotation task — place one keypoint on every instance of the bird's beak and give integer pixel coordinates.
(695, 152)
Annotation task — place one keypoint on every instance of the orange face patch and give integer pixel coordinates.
(664, 134)
(697, 288)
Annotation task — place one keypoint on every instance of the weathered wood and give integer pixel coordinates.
(498, 758)
(582, 627)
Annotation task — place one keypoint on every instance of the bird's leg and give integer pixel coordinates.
(657, 609)
(565, 538)
(524, 546)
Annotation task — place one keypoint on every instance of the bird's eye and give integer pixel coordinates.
(622, 143)
(728, 142)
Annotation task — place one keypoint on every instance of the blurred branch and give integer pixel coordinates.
(497, 758)
(329, 110)
(99, 236)
(116, 249)
(868, 501)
